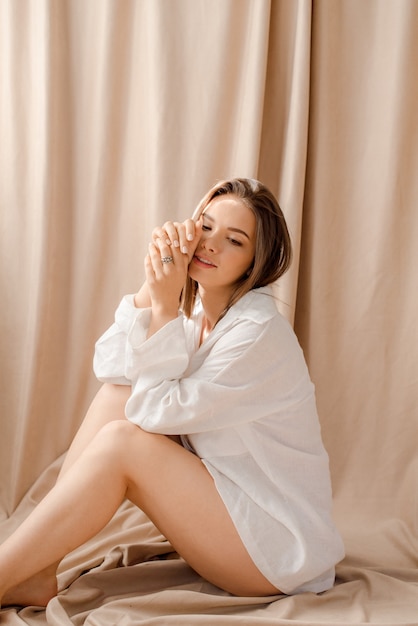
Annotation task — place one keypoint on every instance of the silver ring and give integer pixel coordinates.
(167, 259)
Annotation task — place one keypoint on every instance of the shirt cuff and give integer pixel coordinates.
(127, 315)
(161, 356)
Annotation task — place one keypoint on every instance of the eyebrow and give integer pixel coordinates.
(235, 230)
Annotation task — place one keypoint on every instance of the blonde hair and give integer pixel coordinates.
(273, 250)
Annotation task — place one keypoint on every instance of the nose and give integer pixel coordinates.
(209, 242)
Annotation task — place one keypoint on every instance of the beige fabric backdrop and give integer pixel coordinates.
(116, 115)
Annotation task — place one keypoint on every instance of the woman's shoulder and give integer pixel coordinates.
(258, 310)
(258, 305)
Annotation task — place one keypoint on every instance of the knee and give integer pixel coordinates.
(128, 444)
(123, 435)
(119, 431)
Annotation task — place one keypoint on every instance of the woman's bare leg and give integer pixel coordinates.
(170, 484)
(108, 405)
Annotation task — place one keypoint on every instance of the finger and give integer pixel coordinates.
(149, 270)
(198, 228)
(190, 227)
(177, 234)
(196, 239)
(172, 235)
(167, 254)
(159, 233)
(182, 235)
(155, 255)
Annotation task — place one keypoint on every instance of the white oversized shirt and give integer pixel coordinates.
(244, 403)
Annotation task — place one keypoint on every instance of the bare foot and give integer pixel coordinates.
(36, 591)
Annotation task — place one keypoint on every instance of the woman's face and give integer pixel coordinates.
(227, 246)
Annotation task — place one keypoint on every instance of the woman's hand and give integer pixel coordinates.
(181, 235)
(166, 267)
(165, 273)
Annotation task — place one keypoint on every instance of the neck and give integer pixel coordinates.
(214, 304)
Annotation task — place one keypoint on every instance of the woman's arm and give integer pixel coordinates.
(142, 298)
(166, 280)
(156, 302)
(250, 371)
(180, 235)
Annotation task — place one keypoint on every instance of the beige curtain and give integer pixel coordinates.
(357, 307)
(116, 115)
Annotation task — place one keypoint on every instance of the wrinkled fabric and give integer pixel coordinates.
(246, 405)
(116, 116)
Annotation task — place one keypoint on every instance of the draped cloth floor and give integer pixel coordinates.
(115, 116)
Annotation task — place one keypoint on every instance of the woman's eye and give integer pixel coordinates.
(205, 227)
(235, 242)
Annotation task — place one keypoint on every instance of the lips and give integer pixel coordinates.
(200, 260)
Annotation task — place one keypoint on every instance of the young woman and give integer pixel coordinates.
(206, 419)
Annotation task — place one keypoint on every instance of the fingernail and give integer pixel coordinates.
(184, 250)
(168, 242)
(176, 243)
(190, 237)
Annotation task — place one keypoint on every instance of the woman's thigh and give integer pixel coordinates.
(107, 406)
(174, 488)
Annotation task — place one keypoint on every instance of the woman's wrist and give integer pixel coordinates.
(142, 299)
(160, 318)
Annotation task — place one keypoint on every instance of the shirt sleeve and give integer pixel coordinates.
(123, 352)
(109, 362)
(249, 373)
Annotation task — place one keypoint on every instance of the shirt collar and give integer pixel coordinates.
(258, 305)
